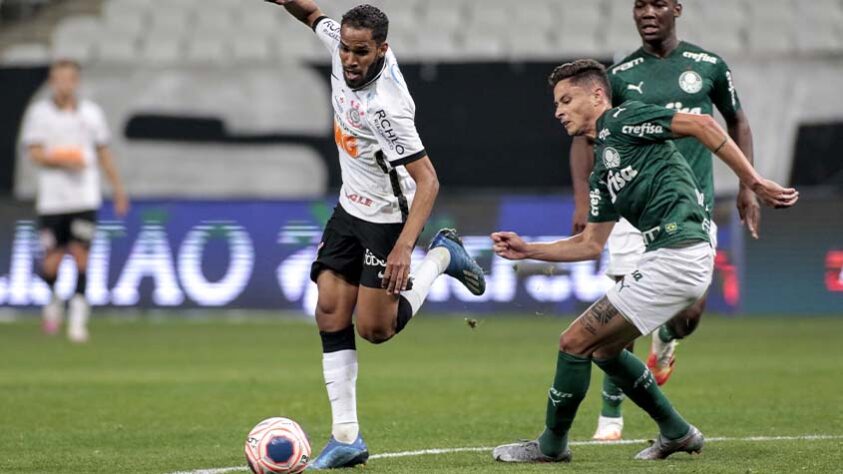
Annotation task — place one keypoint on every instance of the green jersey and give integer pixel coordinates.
(641, 176)
(690, 80)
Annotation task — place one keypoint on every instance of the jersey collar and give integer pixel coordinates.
(679, 45)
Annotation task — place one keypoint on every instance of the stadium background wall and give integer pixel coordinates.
(229, 254)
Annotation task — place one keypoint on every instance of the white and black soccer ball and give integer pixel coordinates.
(277, 446)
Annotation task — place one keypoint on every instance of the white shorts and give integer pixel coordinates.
(665, 282)
(626, 247)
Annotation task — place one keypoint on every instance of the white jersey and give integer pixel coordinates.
(375, 131)
(83, 128)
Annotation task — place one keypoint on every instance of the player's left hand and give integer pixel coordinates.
(397, 273)
(509, 245)
(121, 204)
(749, 211)
(774, 195)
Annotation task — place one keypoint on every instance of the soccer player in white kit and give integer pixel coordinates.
(389, 187)
(67, 138)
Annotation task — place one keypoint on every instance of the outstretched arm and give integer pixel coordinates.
(306, 11)
(584, 246)
(705, 129)
(582, 162)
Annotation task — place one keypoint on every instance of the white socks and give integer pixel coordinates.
(433, 265)
(340, 370)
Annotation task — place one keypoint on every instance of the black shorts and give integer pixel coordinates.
(355, 249)
(58, 230)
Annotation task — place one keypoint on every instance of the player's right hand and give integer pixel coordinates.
(509, 245)
(774, 195)
(579, 221)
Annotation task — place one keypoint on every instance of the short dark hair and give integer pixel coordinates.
(581, 70)
(370, 18)
(65, 62)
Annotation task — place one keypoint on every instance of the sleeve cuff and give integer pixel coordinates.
(317, 21)
(409, 159)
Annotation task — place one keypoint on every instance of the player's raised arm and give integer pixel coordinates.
(306, 11)
(586, 245)
(582, 162)
(705, 129)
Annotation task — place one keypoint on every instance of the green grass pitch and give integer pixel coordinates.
(157, 395)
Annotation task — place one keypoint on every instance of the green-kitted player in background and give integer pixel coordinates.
(685, 78)
(639, 175)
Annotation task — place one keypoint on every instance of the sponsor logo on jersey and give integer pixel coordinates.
(700, 57)
(732, 90)
(618, 180)
(639, 88)
(346, 141)
(649, 236)
(677, 106)
(604, 134)
(371, 260)
(627, 65)
(357, 199)
(611, 158)
(384, 126)
(330, 28)
(646, 128)
(595, 198)
(691, 82)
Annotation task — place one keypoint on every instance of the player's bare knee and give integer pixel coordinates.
(686, 322)
(575, 344)
(375, 334)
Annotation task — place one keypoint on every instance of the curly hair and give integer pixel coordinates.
(581, 70)
(370, 18)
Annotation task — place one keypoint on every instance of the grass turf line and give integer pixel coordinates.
(181, 395)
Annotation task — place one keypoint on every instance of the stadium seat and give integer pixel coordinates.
(81, 28)
(533, 45)
(161, 50)
(251, 48)
(116, 50)
(204, 50)
(481, 44)
(26, 54)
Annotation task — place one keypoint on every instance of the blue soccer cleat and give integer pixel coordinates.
(462, 266)
(337, 455)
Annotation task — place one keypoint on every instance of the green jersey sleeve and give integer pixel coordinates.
(618, 90)
(723, 94)
(641, 123)
(601, 208)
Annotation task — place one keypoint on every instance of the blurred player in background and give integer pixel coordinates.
(685, 78)
(67, 138)
(389, 187)
(640, 175)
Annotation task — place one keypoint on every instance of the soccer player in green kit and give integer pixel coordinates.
(679, 76)
(640, 175)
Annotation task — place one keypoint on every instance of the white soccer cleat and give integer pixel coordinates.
(661, 359)
(78, 314)
(51, 315)
(608, 429)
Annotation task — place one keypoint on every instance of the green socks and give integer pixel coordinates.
(665, 334)
(636, 381)
(570, 384)
(612, 398)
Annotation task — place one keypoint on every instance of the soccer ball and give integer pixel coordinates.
(277, 446)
